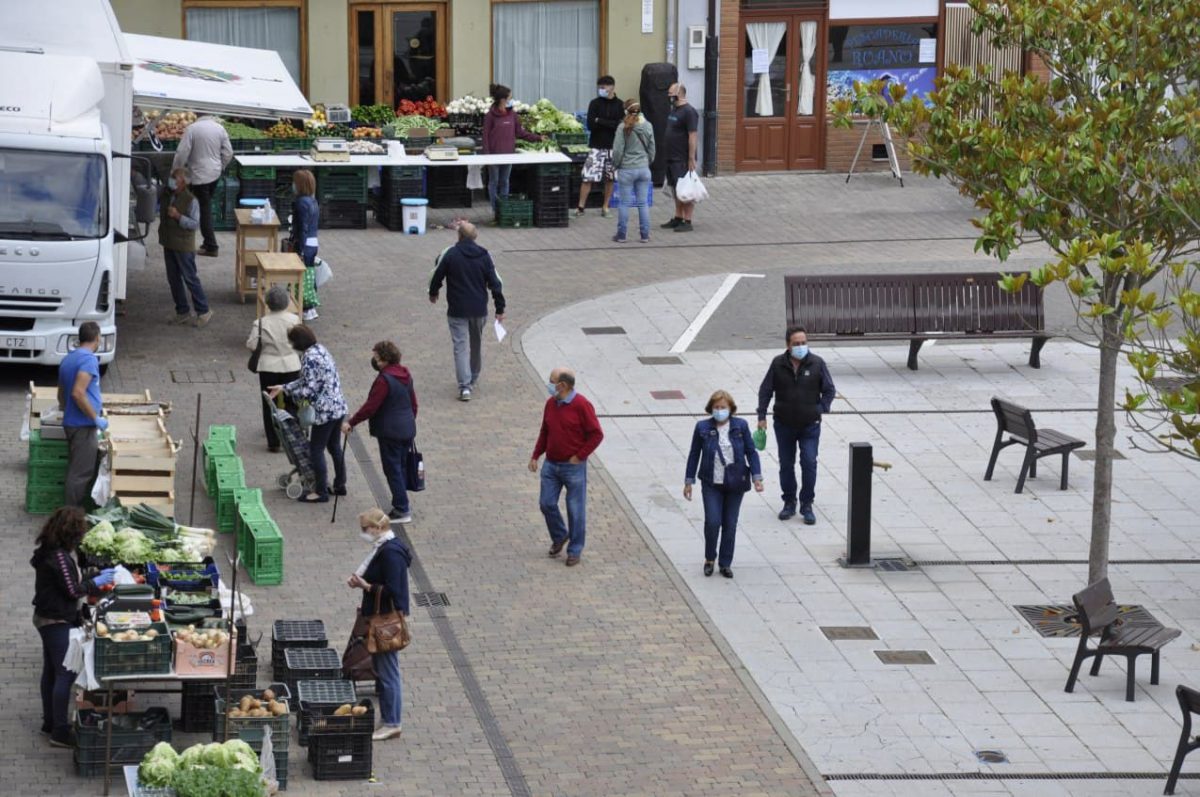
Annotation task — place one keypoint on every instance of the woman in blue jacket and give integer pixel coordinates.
(306, 216)
(724, 452)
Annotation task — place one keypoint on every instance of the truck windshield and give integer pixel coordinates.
(52, 195)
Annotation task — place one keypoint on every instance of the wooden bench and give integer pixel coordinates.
(1098, 614)
(916, 308)
(1189, 701)
(1017, 422)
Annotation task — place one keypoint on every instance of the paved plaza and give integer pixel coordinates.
(633, 674)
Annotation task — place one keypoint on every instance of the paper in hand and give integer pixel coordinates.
(501, 332)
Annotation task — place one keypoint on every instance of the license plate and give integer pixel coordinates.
(18, 343)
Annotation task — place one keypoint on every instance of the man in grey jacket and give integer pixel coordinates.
(204, 151)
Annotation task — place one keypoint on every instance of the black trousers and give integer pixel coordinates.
(204, 195)
(267, 379)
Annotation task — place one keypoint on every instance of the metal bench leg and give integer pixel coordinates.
(1173, 778)
(1096, 664)
(1080, 655)
(914, 346)
(1062, 484)
(1154, 668)
(987, 477)
(1033, 467)
(1028, 467)
(1129, 681)
(1035, 352)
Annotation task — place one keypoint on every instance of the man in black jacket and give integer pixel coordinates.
(604, 115)
(469, 273)
(803, 392)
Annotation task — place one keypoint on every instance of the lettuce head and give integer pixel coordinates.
(158, 766)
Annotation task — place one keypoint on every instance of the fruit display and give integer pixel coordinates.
(366, 148)
(428, 107)
(205, 638)
(367, 132)
(284, 129)
(404, 124)
(128, 635)
(172, 125)
(375, 115)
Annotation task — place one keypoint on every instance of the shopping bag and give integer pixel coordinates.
(307, 415)
(760, 439)
(414, 470)
(357, 663)
(324, 273)
(689, 189)
(102, 487)
(474, 178)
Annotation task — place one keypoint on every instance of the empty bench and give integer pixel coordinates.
(1189, 702)
(916, 308)
(1098, 614)
(1017, 422)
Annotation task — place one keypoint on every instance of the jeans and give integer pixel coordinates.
(327, 437)
(807, 440)
(204, 195)
(83, 455)
(388, 687)
(556, 476)
(720, 521)
(634, 184)
(181, 275)
(498, 182)
(265, 380)
(56, 679)
(467, 336)
(392, 454)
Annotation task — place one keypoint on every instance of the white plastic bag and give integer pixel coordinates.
(121, 576)
(102, 487)
(689, 189)
(324, 273)
(474, 178)
(267, 760)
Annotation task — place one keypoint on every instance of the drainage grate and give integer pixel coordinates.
(904, 657)
(666, 395)
(1089, 454)
(202, 377)
(895, 565)
(1055, 620)
(1008, 776)
(603, 330)
(668, 360)
(432, 599)
(991, 757)
(839, 633)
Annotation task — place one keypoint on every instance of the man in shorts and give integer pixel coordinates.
(604, 115)
(682, 122)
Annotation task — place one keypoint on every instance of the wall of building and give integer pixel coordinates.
(328, 51)
(628, 48)
(150, 17)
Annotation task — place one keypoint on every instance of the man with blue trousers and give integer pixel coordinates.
(803, 391)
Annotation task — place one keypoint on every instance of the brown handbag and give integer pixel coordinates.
(386, 632)
(357, 662)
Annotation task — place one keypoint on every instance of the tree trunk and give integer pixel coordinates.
(1106, 432)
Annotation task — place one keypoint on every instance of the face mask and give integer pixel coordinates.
(800, 352)
(375, 364)
(602, 92)
(172, 183)
(552, 388)
(672, 99)
(720, 416)
(367, 537)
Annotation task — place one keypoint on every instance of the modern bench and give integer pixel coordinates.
(1017, 422)
(1098, 615)
(1189, 702)
(916, 308)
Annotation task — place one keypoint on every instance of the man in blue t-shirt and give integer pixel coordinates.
(79, 400)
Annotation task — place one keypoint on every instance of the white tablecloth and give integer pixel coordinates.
(517, 159)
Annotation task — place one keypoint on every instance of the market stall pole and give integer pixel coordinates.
(245, 257)
(281, 268)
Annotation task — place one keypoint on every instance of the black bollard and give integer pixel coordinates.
(858, 517)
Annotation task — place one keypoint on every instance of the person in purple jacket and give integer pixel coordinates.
(501, 129)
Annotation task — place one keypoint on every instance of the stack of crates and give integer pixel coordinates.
(224, 202)
(447, 187)
(47, 474)
(309, 664)
(514, 210)
(284, 196)
(339, 747)
(397, 183)
(279, 743)
(230, 476)
(250, 509)
(263, 557)
(212, 452)
(323, 692)
(342, 195)
(251, 729)
(257, 182)
(287, 634)
(551, 195)
(197, 711)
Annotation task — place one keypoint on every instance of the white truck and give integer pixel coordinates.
(69, 79)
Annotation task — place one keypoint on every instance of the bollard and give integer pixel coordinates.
(858, 516)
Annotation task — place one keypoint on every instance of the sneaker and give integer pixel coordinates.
(396, 516)
(310, 314)
(464, 394)
(604, 212)
(645, 239)
(208, 252)
(683, 226)
(578, 212)
(67, 740)
(672, 224)
(572, 560)
(386, 732)
(179, 319)
(806, 512)
(618, 239)
(788, 511)
(203, 319)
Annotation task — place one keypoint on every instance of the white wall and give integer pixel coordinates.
(881, 9)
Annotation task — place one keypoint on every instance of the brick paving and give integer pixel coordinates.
(603, 679)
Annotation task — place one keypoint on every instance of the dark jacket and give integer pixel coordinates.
(604, 115)
(178, 235)
(802, 395)
(388, 571)
(306, 215)
(501, 131)
(57, 585)
(391, 407)
(469, 274)
(704, 450)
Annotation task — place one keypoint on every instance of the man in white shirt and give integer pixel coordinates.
(204, 151)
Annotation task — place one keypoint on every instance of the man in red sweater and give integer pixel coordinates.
(570, 433)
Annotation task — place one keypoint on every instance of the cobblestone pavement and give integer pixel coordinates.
(604, 679)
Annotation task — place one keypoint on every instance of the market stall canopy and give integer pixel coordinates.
(176, 74)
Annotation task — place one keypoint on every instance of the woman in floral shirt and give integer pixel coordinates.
(319, 385)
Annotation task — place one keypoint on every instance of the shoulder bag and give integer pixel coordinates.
(386, 632)
(256, 355)
(737, 475)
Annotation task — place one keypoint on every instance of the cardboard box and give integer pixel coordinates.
(212, 663)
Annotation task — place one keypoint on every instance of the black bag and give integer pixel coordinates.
(357, 662)
(414, 469)
(256, 355)
(737, 475)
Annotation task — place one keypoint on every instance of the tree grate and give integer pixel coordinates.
(1053, 620)
(202, 377)
(895, 565)
(1008, 776)
(432, 599)
(904, 657)
(654, 360)
(666, 395)
(603, 330)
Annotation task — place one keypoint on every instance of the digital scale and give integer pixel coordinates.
(330, 150)
(441, 152)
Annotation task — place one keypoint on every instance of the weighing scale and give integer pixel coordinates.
(330, 149)
(440, 152)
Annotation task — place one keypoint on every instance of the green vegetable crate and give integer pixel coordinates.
(46, 474)
(248, 515)
(263, 556)
(223, 432)
(133, 735)
(210, 452)
(256, 172)
(151, 657)
(514, 211)
(231, 476)
(342, 183)
(564, 139)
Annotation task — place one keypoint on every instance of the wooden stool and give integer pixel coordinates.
(262, 233)
(281, 268)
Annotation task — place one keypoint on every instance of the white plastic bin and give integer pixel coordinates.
(414, 209)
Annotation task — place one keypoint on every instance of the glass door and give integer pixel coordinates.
(398, 52)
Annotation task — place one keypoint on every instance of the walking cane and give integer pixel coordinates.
(345, 440)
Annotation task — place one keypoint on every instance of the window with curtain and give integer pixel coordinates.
(548, 49)
(902, 53)
(271, 28)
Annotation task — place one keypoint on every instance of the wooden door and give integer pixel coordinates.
(781, 104)
(398, 51)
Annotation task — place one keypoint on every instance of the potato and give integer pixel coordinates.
(245, 703)
(343, 710)
(101, 629)
(255, 703)
(151, 634)
(236, 713)
(278, 709)
(260, 712)
(358, 711)
(268, 694)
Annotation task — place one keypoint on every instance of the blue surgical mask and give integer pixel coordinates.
(552, 388)
(602, 92)
(720, 416)
(172, 183)
(508, 104)
(800, 352)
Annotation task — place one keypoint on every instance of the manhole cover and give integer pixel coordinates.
(991, 757)
(667, 360)
(603, 330)
(839, 633)
(432, 599)
(1055, 620)
(904, 657)
(1089, 454)
(666, 395)
(202, 377)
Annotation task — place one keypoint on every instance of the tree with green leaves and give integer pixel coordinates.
(1099, 162)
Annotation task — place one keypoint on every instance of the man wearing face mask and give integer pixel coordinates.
(604, 115)
(803, 391)
(570, 433)
(179, 220)
(682, 123)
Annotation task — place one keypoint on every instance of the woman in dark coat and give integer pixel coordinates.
(723, 450)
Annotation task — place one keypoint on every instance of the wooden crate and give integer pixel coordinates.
(143, 462)
(42, 398)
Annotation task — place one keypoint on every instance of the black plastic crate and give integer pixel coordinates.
(459, 198)
(133, 735)
(595, 198)
(310, 664)
(343, 214)
(279, 725)
(402, 173)
(196, 711)
(260, 188)
(295, 634)
(323, 721)
(340, 756)
(402, 189)
(323, 692)
(446, 177)
(555, 184)
(552, 218)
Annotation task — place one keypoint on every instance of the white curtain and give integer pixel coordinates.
(549, 50)
(765, 36)
(808, 85)
(275, 29)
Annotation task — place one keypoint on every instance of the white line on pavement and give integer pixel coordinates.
(707, 311)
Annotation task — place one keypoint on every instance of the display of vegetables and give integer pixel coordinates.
(240, 130)
(367, 132)
(172, 125)
(229, 769)
(268, 706)
(145, 535)
(374, 115)
(347, 710)
(544, 118)
(283, 129)
(469, 105)
(404, 124)
(428, 107)
(128, 635)
(537, 146)
(204, 638)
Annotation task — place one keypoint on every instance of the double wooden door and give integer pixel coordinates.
(398, 51)
(781, 101)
